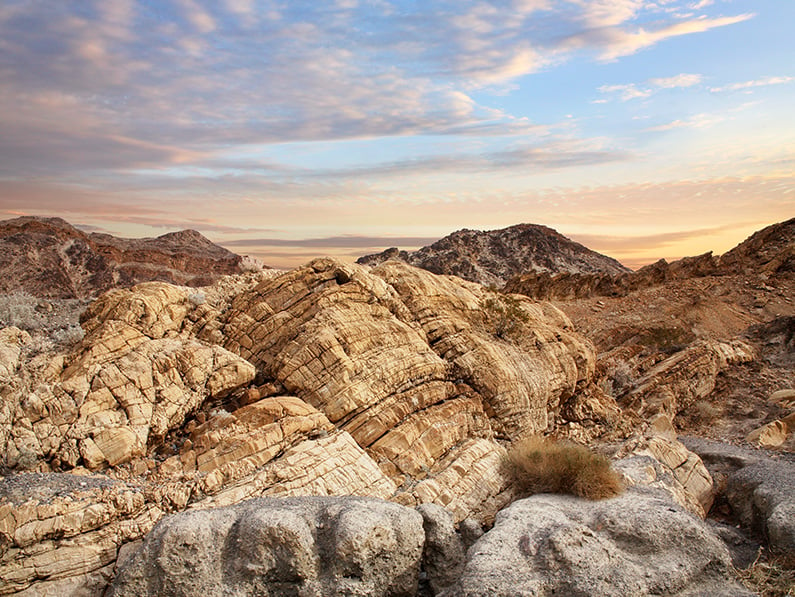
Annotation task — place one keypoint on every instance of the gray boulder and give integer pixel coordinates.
(762, 496)
(443, 555)
(639, 543)
(306, 546)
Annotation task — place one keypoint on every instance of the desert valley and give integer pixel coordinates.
(180, 420)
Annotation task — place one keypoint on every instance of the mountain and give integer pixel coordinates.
(493, 257)
(50, 258)
(768, 252)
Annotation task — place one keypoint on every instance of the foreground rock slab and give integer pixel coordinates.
(639, 543)
(310, 546)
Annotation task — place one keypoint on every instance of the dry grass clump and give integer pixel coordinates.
(539, 465)
(770, 576)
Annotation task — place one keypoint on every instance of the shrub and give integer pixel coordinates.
(504, 312)
(538, 465)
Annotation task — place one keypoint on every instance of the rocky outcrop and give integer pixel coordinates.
(60, 533)
(680, 380)
(332, 379)
(770, 251)
(131, 380)
(495, 256)
(562, 286)
(639, 543)
(47, 257)
(656, 458)
(308, 546)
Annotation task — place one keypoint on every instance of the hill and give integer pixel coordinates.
(50, 258)
(493, 257)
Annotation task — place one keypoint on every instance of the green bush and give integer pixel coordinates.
(538, 465)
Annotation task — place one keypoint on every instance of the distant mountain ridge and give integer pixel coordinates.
(768, 252)
(50, 258)
(495, 256)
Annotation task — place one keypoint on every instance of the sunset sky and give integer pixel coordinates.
(294, 129)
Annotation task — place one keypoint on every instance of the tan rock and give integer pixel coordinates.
(11, 341)
(680, 380)
(690, 485)
(771, 435)
(60, 527)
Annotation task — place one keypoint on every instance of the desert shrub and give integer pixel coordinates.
(538, 465)
(770, 576)
(19, 309)
(504, 313)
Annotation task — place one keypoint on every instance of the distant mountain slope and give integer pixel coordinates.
(771, 250)
(48, 257)
(493, 257)
(768, 252)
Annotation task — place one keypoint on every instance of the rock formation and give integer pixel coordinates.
(495, 256)
(639, 543)
(314, 546)
(331, 379)
(394, 383)
(47, 257)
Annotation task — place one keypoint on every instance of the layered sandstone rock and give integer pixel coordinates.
(62, 532)
(331, 379)
(682, 379)
(130, 380)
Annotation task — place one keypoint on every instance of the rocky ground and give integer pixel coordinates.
(180, 442)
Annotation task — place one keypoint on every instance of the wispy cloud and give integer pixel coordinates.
(681, 80)
(346, 241)
(615, 42)
(696, 122)
(631, 91)
(763, 82)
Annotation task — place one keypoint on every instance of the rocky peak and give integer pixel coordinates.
(48, 257)
(493, 257)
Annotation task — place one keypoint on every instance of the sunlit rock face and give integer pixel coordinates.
(331, 379)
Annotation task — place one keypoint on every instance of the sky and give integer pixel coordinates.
(289, 129)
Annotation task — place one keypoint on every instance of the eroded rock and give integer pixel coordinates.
(309, 546)
(638, 543)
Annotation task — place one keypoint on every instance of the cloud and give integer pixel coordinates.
(615, 42)
(116, 85)
(336, 242)
(763, 82)
(696, 122)
(647, 242)
(681, 80)
(626, 92)
(631, 91)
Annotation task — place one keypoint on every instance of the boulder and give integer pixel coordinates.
(771, 435)
(444, 552)
(639, 543)
(762, 497)
(293, 546)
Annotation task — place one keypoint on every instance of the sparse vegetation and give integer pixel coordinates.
(540, 465)
(51, 322)
(503, 312)
(667, 339)
(770, 576)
